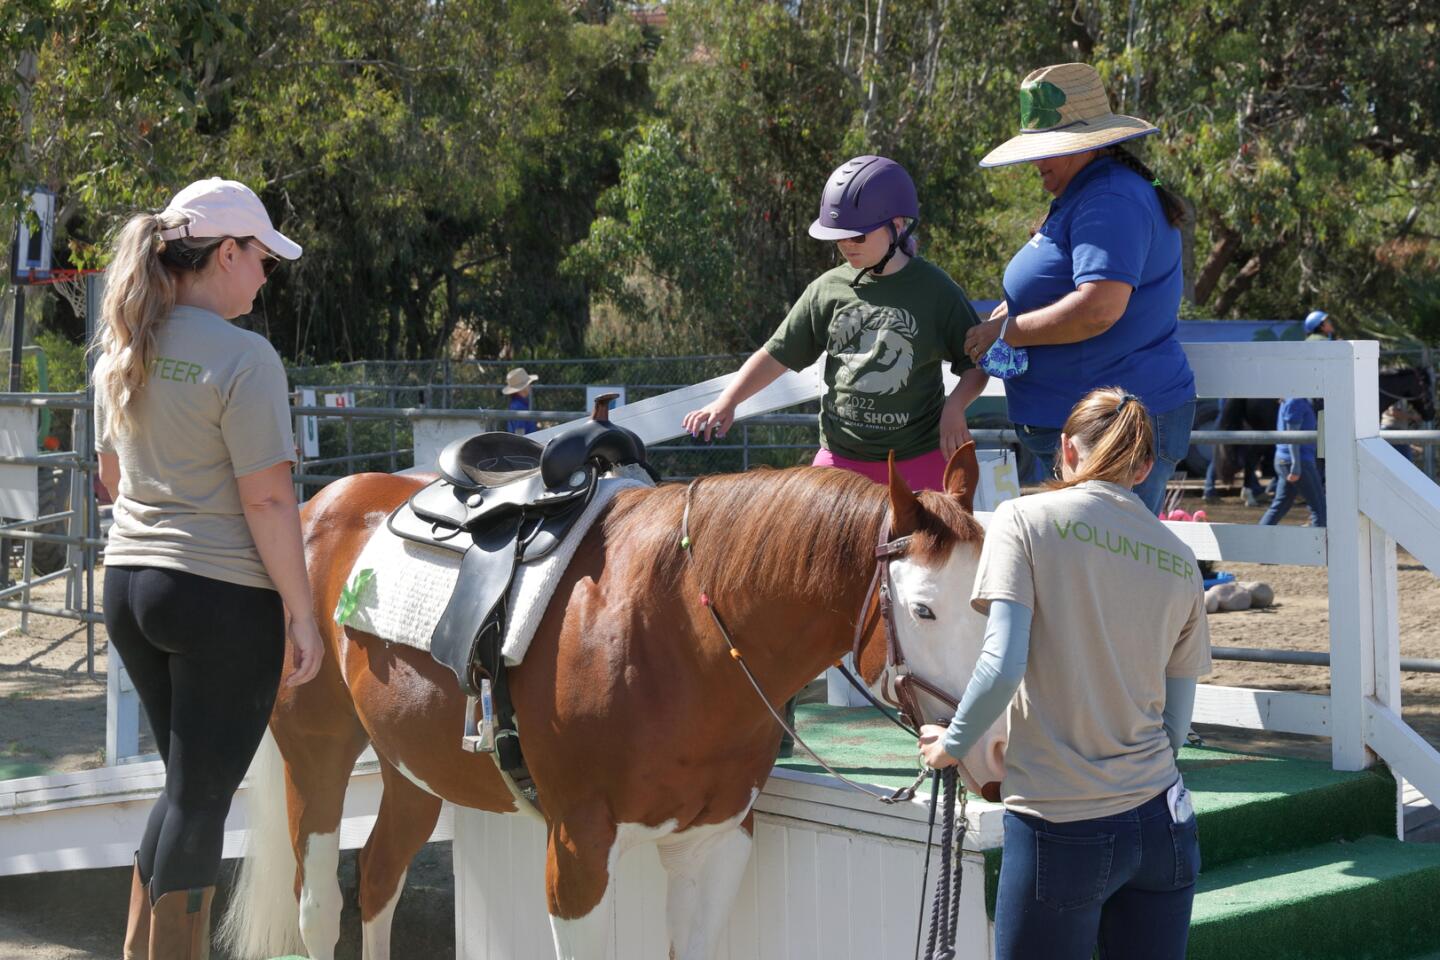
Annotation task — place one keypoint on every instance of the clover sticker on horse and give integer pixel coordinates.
(631, 711)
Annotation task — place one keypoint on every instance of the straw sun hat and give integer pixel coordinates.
(1064, 110)
(517, 380)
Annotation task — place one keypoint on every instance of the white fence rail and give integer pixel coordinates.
(1375, 498)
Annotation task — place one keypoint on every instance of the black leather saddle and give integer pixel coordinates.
(503, 500)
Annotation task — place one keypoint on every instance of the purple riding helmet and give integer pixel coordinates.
(865, 193)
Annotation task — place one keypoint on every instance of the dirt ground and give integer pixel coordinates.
(52, 718)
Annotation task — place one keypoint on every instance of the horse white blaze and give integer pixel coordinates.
(945, 649)
(376, 932)
(320, 901)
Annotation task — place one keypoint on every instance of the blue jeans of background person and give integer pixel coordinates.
(1309, 486)
(1172, 443)
(1124, 882)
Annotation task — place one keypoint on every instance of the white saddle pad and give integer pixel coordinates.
(398, 589)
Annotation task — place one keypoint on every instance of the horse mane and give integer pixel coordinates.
(803, 530)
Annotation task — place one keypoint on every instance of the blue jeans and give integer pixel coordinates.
(1309, 486)
(1172, 443)
(1125, 883)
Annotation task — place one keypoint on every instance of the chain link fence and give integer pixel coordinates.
(354, 445)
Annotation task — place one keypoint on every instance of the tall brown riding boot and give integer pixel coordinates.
(180, 925)
(137, 925)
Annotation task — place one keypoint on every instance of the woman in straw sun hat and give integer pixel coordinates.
(204, 566)
(1093, 297)
(517, 388)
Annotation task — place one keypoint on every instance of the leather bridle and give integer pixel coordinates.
(899, 687)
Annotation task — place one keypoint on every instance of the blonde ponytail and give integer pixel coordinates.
(139, 294)
(1113, 430)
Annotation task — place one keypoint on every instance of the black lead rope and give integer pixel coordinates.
(945, 908)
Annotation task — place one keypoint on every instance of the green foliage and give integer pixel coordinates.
(555, 176)
(435, 159)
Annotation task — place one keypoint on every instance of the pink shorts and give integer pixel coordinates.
(925, 472)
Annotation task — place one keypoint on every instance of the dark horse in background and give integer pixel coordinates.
(1415, 385)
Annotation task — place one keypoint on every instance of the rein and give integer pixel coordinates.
(901, 795)
(945, 909)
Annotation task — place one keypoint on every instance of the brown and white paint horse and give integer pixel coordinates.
(637, 724)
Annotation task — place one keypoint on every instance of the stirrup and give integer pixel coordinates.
(479, 736)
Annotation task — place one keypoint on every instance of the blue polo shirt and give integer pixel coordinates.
(1107, 225)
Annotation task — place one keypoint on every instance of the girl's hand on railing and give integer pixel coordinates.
(715, 418)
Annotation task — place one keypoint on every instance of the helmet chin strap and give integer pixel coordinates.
(896, 242)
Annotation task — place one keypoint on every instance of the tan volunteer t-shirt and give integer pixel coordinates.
(1118, 607)
(215, 407)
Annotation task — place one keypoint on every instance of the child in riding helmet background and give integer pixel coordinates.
(886, 319)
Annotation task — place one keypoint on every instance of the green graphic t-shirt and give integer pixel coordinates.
(884, 341)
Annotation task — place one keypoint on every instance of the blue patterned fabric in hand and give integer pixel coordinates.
(1004, 361)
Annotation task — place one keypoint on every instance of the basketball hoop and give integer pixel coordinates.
(70, 284)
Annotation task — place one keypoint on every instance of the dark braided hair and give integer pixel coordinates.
(1170, 201)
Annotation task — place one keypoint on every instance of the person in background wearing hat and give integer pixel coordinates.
(885, 319)
(1318, 326)
(517, 388)
(1094, 296)
(1095, 636)
(204, 568)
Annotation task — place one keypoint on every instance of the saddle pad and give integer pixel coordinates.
(398, 589)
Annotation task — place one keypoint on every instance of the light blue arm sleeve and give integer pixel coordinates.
(1179, 707)
(997, 675)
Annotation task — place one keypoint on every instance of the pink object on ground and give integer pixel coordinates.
(1199, 516)
(925, 472)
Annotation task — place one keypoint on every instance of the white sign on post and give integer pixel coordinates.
(346, 399)
(309, 427)
(592, 393)
(19, 492)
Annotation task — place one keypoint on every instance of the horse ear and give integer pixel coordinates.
(904, 507)
(962, 475)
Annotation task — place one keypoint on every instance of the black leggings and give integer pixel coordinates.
(205, 657)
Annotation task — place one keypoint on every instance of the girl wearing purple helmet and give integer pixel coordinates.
(885, 320)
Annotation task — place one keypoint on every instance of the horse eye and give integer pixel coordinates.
(922, 612)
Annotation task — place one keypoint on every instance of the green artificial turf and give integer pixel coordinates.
(1249, 806)
(1370, 899)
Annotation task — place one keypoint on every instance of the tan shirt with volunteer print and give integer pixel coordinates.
(1118, 606)
(214, 407)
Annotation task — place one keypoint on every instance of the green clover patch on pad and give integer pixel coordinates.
(350, 595)
(1040, 103)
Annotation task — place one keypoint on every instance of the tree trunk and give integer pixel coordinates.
(1224, 251)
(1245, 279)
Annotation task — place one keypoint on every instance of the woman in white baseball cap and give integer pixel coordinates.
(204, 564)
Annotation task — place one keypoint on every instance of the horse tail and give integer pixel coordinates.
(263, 916)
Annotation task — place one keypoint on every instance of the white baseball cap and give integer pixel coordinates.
(226, 208)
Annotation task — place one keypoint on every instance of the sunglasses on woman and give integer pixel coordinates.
(268, 260)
